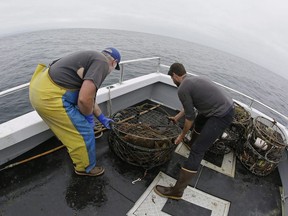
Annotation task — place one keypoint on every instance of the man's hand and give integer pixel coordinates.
(179, 139)
(173, 119)
(105, 121)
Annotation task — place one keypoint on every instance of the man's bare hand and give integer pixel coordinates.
(179, 139)
(173, 119)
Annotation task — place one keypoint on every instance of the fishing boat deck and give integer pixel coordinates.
(48, 186)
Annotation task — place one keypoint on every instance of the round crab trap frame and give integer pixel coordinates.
(143, 137)
(264, 147)
(234, 133)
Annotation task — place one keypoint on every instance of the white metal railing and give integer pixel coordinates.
(252, 100)
(24, 86)
(13, 90)
(136, 60)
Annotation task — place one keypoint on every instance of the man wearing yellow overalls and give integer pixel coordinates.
(64, 97)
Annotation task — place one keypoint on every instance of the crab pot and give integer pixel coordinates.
(143, 137)
(242, 121)
(264, 147)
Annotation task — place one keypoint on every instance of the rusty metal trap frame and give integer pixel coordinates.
(263, 159)
(143, 136)
(235, 133)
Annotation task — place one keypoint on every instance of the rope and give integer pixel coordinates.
(32, 158)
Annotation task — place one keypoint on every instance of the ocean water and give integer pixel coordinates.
(20, 54)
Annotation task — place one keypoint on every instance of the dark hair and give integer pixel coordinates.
(177, 68)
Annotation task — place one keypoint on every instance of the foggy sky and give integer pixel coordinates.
(256, 30)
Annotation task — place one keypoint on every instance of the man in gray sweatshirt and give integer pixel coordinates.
(209, 110)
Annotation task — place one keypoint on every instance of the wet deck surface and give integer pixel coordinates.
(49, 186)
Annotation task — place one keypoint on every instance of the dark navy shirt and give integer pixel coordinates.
(205, 96)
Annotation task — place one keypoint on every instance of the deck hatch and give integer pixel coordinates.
(228, 164)
(152, 204)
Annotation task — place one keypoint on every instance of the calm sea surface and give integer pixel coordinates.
(20, 54)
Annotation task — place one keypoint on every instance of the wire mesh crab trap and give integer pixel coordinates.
(235, 133)
(143, 137)
(264, 147)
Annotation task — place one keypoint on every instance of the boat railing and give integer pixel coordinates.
(251, 99)
(13, 90)
(159, 65)
(121, 78)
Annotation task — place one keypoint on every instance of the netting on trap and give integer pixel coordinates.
(264, 147)
(234, 133)
(143, 137)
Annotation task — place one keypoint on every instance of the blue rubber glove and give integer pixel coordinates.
(90, 119)
(105, 121)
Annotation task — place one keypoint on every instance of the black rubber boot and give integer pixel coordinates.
(194, 136)
(177, 191)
